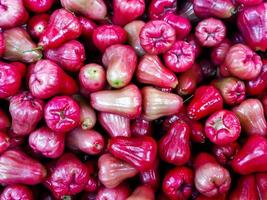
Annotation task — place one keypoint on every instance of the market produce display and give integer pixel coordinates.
(133, 99)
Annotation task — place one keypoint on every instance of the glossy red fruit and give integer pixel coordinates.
(113, 171)
(210, 32)
(88, 141)
(26, 111)
(246, 189)
(210, 8)
(157, 104)
(142, 192)
(150, 70)
(88, 27)
(252, 157)
(120, 61)
(181, 25)
(38, 6)
(233, 90)
(157, 37)
(251, 116)
(126, 11)
(2, 44)
(140, 152)
(180, 57)
(106, 35)
(133, 30)
(20, 67)
(69, 176)
(4, 142)
(247, 3)
(242, 62)
(37, 25)
(225, 153)
(251, 19)
(16, 191)
(10, 80)
(92, 9)
(120, 192)
(47, 142)
(191, 39)
(261, 180)
(70, 56)
(87, 113)
(151, 177)
(62, 114)
(258, 85)
(219, 51)
(211, 179)
(206, 100)
(115, 125)
(158, 8)
(141, 127)
(13, 13)
(174, 147)
(19, 46)
(92, 77)
(18, 168)
(178, 183)
(126, 101)
(47, 79)
(62, 27)
(222, 127)
(188, 80)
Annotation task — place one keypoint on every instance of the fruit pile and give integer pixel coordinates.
(133, 99)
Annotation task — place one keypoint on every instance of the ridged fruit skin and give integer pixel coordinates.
(18, 168)
(16, 191)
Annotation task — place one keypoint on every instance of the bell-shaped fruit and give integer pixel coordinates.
(174, 147)
(207, 100)
(20, 47)
(37, 25)
(251, 116)
(157, 104)
(115, 125)
(159, 8)
(225, 153)
(62, 27)
(140, 152)
(251, 19)
(126, 101)
(18, 168)
(252, 157)
(26, 111)
(141, 127)
(150, 70)
(16, 191)
(121, 62)
(113, 171)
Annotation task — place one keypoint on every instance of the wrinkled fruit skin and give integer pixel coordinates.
(62, 114)
(207, 99)
(211, 179)
(222, 127)
(242, 62)
(157, 37)
(178, 183)
(70, 56)
(26, 111)
(68, 177)
(140, 152)
(16, 192)
(47, 142)
(18, 168)
(252, 18)
(252, 156)
(174, 147)
(158, 8)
